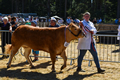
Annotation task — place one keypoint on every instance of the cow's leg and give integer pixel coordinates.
(53, 58)
(26, 54)
(13, 52)
(63, 55)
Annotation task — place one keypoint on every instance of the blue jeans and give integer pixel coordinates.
(36, 52)
(94, 54)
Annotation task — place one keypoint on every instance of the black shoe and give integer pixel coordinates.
(80, 70)
(3, 57)
(100, 70)
(7, 56)
(35, 60)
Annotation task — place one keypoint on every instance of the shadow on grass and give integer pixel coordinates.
(118, 50)
(41, 65)
(77, 76)
(17, 74)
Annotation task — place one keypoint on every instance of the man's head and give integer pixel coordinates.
(86, 16)
(53, 21)
(33, 23)
(14, 18)
(9, 18)
(5, 20)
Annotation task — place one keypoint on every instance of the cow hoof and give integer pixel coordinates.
(8, 66)
(32, 67)
(53, 71)
(62, 67)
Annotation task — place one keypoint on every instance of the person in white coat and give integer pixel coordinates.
(88, 43)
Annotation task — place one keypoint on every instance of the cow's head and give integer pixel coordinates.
(75, 30)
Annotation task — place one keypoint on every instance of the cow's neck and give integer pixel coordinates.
(69, 36)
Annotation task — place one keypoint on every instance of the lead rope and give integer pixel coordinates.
(92, 43)
(65, 34)
(91, 38)
(66, 43)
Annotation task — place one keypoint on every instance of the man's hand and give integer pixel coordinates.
(10, 30)
(81, 24)
(91, 32)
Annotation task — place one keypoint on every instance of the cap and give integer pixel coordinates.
(52, 18)
(34, 22)
(86, 13)
(5, 18)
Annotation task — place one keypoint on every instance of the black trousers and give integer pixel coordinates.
(6, 39)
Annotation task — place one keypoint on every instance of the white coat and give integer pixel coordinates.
(118, 38)
(85, 42)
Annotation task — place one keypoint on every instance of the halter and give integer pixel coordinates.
(76, 35)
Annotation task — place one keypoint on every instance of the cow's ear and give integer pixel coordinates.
(70, 25)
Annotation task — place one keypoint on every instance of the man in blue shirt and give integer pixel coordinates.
(68, 20)
(53, 22)
(116, 21)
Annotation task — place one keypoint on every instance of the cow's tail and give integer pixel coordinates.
(8, 48)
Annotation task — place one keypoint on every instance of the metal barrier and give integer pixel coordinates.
(71, 52)
(108, 48)
(5, 38)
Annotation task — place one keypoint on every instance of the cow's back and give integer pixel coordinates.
(38, 38)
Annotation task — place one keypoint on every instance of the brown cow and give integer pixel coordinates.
(50, 40)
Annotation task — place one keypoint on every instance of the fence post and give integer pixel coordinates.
(90, 63)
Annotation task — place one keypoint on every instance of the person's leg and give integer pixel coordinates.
(3, 44)
(95, 56)
(9, 38)
(36, 53)
(80, 58)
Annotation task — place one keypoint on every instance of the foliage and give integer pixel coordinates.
(105, 9)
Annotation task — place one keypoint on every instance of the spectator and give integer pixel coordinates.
(100, 20)
(27, 19)
(53, 22)
(68, 20)
(49, 20)
(87, 43)
(17, 18)
(34, 23)
(76, 20)
(35, 19)
(0, 18)
(5, 36)
(13, 23)
(94, 21)
(116, 21)
(9, 19)
(60, 21)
